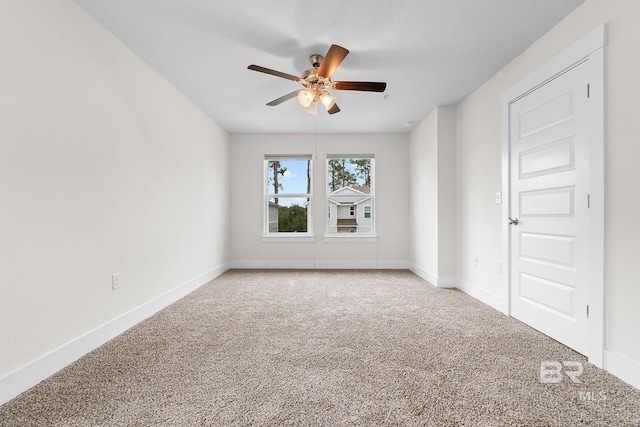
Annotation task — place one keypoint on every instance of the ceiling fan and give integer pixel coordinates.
(317, 80)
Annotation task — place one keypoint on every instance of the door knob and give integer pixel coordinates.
(513, 221)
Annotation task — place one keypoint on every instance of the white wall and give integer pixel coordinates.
(104, 168)
(447, 194)
(391, 211)
(479, 156)
(433, 197)
(423, 220)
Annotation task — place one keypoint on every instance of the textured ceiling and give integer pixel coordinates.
(430, 53)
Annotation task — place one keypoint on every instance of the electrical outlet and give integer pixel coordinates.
(498, 197)
(499, 267)
(115, 281)
(475, 261)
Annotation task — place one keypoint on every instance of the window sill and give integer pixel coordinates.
(331, 238)
(289, 238)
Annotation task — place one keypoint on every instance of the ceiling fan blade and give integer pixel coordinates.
(334, 109)
(363, 86)
(331, 60)
(284, 98)
(273, 72)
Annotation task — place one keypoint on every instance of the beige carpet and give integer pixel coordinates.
(328, 348)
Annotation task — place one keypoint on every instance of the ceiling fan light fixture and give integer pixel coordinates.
(316, 80)
(327, 100)
(312, 108)
(306, 97)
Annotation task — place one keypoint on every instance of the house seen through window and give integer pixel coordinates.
(350, 195)
(287, 194)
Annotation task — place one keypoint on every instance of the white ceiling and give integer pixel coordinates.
(430, 53)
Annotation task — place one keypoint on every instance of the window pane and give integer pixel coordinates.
(287, 215)
(289, 176)
(350, 194)
(349, 172)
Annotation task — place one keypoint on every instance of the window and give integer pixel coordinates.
(287, 195)
(350, 196)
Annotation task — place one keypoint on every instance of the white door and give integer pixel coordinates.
(549, 197)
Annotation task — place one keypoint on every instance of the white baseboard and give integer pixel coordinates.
(19, 381)
(447, 282)
(393, 265)
(626, 369)
(483, 295)
(479, 293)
(322, 265)
(424, 274)
(274, 264)
(437, 281)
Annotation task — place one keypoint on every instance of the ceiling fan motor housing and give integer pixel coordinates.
(310, 77)
(316, 60)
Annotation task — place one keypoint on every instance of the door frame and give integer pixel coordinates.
(589, 52)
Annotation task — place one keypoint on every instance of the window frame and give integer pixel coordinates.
(267, 234)
(360, 237)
